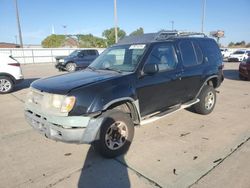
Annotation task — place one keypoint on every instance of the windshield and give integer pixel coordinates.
(74, 53)
(124, 58)
(239, 52)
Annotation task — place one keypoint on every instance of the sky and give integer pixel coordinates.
(38, 17)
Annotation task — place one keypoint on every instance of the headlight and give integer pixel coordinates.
(29, 97)
(61, 60)
(51, 102)
(68, 104)
(63, 103)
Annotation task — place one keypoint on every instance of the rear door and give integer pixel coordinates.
(193, 65)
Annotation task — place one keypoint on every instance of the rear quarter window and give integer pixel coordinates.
(211, 51)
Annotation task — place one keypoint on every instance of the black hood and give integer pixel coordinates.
(63, 84)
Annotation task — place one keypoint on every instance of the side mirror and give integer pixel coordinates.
(150, 68)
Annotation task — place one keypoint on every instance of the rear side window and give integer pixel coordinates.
(90, 52)
(211, 51)
(188, 53)
(198, 52)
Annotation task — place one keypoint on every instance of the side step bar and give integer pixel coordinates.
(160, 115)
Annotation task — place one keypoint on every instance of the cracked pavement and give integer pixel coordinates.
(182, 150)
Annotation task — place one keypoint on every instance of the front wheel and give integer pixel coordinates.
(207, 100)
(6, 85)
(116, 134)
(71, 67)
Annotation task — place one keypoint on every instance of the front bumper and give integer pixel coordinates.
(54, 131)
(60, 66)
(235, 59)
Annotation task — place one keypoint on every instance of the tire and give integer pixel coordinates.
(241, 77)
(6, 84)
(71, 67)
(111, 142)
(207, 100)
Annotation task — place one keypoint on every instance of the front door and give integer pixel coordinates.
(162, 89)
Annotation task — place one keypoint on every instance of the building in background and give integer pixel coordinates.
(9, 45)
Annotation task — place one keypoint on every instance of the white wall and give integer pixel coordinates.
(39, 55)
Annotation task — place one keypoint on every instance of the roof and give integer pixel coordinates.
(154, 37)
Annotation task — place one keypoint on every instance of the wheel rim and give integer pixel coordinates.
(209, 100)
(116, 135)
(5, 85)
(71, 67)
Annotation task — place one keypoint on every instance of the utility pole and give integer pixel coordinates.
(115, 17)
(18, 25)
(203, 15)
(172, 22)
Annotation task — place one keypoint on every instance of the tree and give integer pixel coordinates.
(90, 41)
(241, 44)
(53, 41)
(231, 44)
(137, 32)
(109, 34)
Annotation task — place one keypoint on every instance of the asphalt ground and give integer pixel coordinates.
(182, 150)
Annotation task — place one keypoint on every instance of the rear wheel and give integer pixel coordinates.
(207, 100)
(116, 134)
(71, 67)
(6, 84)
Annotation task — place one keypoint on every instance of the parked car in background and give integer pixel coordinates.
(244, 69)
(59, 59)
(10, 73)
(239, 55)
(78, 59)
(225, 52)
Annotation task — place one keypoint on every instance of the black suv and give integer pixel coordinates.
(137, 81)
(78, 59)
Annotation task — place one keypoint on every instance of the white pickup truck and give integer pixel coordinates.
(10, 73)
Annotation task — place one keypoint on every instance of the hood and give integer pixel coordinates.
(63, 84)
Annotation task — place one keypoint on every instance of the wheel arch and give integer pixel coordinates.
(212, 81)
(8, 75)
(127, 105)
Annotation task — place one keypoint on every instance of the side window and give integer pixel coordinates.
(187, 53)
(81, 54)
(198, 52)
(211, 51)
(164, 55)
(91, 52)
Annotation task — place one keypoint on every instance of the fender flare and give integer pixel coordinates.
(204, 83)
(92, 131)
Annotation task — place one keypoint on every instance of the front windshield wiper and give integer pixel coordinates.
(107, 68)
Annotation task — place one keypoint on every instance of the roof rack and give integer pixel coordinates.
(163, 35)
